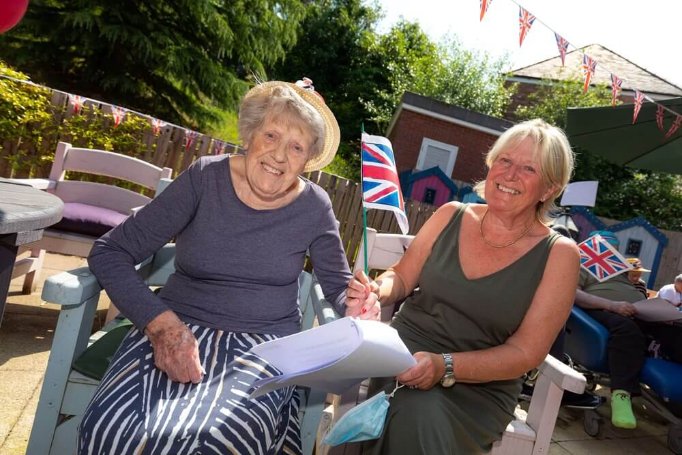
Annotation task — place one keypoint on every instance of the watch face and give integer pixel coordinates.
(447, 381)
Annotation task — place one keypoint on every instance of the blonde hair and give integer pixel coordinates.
(282, 103)
(554, 155)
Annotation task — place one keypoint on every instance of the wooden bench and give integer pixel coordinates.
(93, 205)
(66, 393)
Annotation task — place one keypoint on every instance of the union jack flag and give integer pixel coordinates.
(526, 20)
(616, 85)
(601, 259)
(484, 7)
(562, 44)
(660, 112)
(674, 127)
(589, 66)
(639, 99)
(380, 184)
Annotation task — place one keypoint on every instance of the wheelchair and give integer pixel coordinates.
(585, 344)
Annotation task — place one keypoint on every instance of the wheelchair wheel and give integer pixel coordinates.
(592, 423)
(675, 439)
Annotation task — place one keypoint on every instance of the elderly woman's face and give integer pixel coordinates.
(634, 276)
(276, 155)
(514, 181)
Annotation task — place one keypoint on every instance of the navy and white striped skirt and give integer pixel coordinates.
(138, 410)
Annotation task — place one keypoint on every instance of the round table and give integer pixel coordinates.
(24, 213)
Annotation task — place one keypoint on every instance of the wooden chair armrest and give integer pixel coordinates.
(554, 378)
(324, 311)
(72, 287)
(562, 375)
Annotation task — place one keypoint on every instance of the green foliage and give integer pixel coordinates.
(26, 119)
(31, 126)
(446, 72)
(363, 75)
(333, 50)
(553, 98)
(624, 192)
(225, 128)
(92, 128)
(171, 59)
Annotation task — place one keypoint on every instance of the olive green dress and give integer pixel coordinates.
(450, 313)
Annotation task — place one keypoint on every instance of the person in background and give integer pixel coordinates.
(495, 286)
(635, 276)
(610, 303)
(243, 225)
(672, 292)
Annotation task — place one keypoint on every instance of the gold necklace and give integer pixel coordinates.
(504, 245)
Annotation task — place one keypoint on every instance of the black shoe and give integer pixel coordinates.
(581, 401)
(526, 392)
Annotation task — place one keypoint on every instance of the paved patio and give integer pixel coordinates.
(26, 336)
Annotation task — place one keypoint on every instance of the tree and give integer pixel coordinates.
(174, 59)
(446, 72)
(624, 192)
(334, 50)
(363, 75)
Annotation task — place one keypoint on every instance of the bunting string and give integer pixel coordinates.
(589, 66)
(118, 113)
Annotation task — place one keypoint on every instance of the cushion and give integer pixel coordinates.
(94, 361)
(88, 219)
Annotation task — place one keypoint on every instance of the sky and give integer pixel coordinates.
(646, 32)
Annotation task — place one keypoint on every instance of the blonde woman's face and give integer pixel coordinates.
(514, 181)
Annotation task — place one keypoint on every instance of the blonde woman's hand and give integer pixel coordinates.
(428, 371)
(362, 300)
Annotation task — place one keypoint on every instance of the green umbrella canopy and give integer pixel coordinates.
(609, 132)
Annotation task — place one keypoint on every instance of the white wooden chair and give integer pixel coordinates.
(529, 433)
(66, 393)
(89, 207)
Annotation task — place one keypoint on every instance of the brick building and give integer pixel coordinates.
(426, 133)
(529, 78)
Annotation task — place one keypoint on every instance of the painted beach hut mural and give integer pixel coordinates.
(637, 237)
(430, 186)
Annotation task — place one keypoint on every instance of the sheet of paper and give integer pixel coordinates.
(657, 310)
(360, 349)
(311, 348)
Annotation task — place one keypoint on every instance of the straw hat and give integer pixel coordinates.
(332, 134)
(637, 265)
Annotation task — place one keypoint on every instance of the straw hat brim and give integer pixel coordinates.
(332, 134)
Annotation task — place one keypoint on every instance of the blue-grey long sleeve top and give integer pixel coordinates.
(236, 267)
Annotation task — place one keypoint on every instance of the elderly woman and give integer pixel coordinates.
(488, 287)
(179, 383)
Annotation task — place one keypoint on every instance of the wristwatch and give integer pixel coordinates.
(448, 379)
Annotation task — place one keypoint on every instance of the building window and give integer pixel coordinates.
(434, 153)
(634, 247)
(430, 195)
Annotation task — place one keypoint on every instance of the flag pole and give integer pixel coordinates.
(364, 210)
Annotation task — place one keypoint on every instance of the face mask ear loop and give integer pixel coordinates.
(397, 386)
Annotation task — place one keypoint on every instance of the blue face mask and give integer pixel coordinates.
(362, 423)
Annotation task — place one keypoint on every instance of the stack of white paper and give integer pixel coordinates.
(334, 356)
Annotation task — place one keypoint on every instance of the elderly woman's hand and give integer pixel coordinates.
(428, 371)
(176, 351)
(626, 309)
(362, 299)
